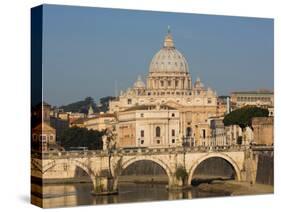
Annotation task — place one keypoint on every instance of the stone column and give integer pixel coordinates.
(184, 83)
(181, 83)
(180, 123)
(189, 84)
(151, 134)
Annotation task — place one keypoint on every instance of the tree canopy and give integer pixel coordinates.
(243, 116)
(81, 137)
(104, 103)
(81, 106)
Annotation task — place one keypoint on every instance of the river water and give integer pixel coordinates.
(62, 195)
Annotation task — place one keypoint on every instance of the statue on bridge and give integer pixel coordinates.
(109, 140)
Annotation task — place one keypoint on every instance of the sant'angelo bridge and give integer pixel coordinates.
(104, 167)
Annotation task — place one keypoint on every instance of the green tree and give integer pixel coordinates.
(243, 118)
(104, 103)
(81, 137)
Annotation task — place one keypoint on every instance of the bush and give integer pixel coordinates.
(181, 173)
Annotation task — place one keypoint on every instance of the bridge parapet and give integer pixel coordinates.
(262, 148)
(144, 151)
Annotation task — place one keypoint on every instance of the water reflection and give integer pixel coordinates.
(61, 195)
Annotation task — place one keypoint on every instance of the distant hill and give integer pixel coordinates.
(81, 106)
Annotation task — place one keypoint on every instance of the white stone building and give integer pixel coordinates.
(100, 122)
(259, 98)
(148, 126)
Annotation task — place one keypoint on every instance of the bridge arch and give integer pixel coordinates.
(159, 162)
(214, 155)
(71, 162)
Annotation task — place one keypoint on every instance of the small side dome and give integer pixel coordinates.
(139, 83)
(198, 83)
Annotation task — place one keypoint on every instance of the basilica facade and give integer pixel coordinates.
(168, 109)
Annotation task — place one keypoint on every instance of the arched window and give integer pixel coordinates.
(158, 132)
(188, 131)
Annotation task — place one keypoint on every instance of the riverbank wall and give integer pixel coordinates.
(265, 168)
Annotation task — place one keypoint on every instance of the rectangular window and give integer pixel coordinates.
(173, 132)
(142, 133)
(142, 141)
(204, 133)
(173, 141)
(209, 100)
(129, 101)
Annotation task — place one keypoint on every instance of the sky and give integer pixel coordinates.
(96, 51)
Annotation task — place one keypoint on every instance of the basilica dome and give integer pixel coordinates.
(168, 58)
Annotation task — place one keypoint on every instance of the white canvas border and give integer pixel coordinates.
(15, 100)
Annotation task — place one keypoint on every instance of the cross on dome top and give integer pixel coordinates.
(168, 42)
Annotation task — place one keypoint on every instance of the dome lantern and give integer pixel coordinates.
(168, 42)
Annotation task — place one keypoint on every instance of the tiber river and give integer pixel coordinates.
(129, 191)
(61, 195)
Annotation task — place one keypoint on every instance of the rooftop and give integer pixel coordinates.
(261, 91)
(149, 107)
